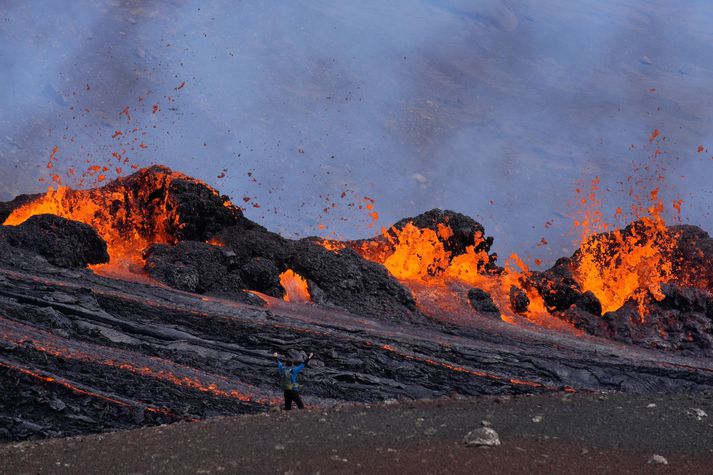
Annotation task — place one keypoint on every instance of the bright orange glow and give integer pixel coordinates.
(215, 241)
(620, 266)
(334, 246)
(296, 288)
(418, 253)
(129, 214)
(415, 255)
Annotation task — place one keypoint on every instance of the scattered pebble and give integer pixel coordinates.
(697, 413)
(483, 437)
(658, 459)
(651, 406)
(537, 419)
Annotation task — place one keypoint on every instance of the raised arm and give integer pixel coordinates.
(279, 363)
(301, 366)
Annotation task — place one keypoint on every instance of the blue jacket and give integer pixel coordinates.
(293, 372)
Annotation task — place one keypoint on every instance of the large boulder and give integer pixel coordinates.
(252, 258)
(62, 242)
(681, 321)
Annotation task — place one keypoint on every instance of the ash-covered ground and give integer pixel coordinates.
(191, 334)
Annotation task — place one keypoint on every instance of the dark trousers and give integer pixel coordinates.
(292, 395)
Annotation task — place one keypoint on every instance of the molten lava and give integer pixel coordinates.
(618, 266)
(129, 214)
(628, 264)
(295, 286)
(418, 256)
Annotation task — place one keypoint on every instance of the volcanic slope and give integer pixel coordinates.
(83, 351)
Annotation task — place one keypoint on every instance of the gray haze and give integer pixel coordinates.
(497, 109)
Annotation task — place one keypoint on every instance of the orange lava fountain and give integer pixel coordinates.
(629, 264)
(413, 254)
(618, 266)
(296, 288)
(129, 214)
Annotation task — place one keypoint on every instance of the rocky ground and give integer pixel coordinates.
(82, 353)
(558, 433)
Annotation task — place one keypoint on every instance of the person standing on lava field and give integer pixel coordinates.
(288, 381)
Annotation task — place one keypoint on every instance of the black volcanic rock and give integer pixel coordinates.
(342, 279)
(347, 280)
(253, 259)
(519, 301)
(62, 242)
(589, 303)
(481, 301)
(693, 257)
(681, 321)
(556, 285)
(263, 275)
(7, 207)
(201, 210)
(197, 267)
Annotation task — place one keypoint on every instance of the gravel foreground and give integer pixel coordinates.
(561, 433)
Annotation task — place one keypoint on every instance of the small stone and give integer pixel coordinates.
(697, 413)
(57, 405)
(658, 459)
(651, 406)
(537, 419)
(420, 179)
(430, 431)
(483, 437)
(481, 301)
(486, 423)
(279, 447)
